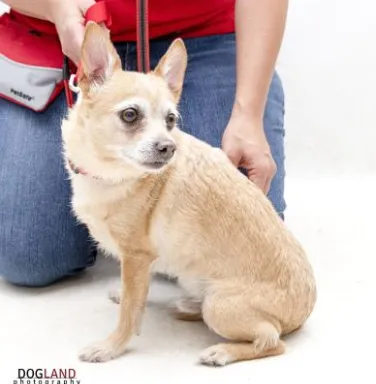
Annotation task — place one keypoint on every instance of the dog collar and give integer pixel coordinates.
(80, 171)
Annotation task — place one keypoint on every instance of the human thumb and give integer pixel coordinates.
(231, 150)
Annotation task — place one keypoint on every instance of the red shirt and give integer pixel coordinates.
(186, 18)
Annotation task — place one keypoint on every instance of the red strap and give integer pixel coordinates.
(99, 14)
(68, 94)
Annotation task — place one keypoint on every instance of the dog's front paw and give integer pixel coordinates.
(99, 353)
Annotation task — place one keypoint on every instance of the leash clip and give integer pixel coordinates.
(73, 83)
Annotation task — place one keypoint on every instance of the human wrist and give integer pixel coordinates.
(68, 16)
(60, 10)
(247, 120)
(251, 111)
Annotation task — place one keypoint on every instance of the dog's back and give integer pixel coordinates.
(214, 225)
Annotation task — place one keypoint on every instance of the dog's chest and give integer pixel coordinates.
(170, 252)
(94, 207)
(99, 228)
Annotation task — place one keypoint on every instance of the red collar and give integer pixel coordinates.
(80, 171)
(76, 170)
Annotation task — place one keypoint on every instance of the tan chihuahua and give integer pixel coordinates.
(158, 199)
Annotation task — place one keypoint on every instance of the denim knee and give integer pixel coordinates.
(40, 240)
(19, 274)
(35, 267)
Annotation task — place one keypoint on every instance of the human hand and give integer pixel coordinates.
(245, 144)
(68, 17)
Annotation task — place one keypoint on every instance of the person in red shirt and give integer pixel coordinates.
(232, 98)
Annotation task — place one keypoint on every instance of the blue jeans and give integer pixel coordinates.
(40, 240)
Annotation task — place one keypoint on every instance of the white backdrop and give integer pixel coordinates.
(328, 67)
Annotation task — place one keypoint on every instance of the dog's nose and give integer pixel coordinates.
(165, 148)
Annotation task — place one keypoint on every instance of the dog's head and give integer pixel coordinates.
(123, 118)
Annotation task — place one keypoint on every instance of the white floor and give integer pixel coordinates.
(45, 328)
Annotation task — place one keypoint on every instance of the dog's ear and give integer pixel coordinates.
(172, 67)
(99, 58)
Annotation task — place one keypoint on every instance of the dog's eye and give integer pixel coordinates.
(129, 115)
(171, 120)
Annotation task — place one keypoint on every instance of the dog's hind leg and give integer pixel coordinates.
(263, 345)
(187, 309)
(189, 306)
(256, 334)
(114, 295)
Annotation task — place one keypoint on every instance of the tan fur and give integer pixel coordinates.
(196, 218)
